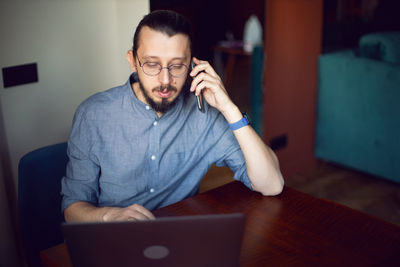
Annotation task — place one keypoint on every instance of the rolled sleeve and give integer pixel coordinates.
(81, 182)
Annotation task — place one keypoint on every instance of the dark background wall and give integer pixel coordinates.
(345, 21)
(212, 19)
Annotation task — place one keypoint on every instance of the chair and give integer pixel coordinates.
(39, 199)
(358, 106)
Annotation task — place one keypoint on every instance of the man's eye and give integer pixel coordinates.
(177, 67)
(153, 65)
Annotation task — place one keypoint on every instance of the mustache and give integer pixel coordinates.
(164, 88)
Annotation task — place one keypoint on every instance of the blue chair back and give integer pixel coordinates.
(39, 199)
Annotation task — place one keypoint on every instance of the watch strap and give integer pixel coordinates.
(240, 124)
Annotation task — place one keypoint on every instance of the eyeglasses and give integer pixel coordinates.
(154, 68)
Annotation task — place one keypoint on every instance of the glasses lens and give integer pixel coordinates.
(177, 70)
(151, 68)
(154, 69)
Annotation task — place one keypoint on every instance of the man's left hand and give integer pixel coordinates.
(207, 81)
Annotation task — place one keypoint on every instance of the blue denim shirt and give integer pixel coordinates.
(121, 153)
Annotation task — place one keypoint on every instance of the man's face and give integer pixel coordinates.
(160, 91)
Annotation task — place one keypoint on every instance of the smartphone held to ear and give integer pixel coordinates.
(199, 98)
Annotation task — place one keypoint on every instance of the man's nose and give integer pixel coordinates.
(164, 76)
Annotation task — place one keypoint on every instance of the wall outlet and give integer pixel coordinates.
(21, 74)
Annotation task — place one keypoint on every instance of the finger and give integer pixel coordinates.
(137, 216)
(205, 79)
(196, 80)
(143, 211)
(133, 215)
(199, 61)
(202, 65)
(205, 85)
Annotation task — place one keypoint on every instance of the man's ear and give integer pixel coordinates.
(131, 60)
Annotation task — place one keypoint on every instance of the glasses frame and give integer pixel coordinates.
(161, 68)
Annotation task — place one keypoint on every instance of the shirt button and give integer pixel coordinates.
(155, 123)
(153, 157)
(151, 190)
(148, 107)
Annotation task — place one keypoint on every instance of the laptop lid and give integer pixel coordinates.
(201, 240)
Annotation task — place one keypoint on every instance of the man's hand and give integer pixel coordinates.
(134, 212)
(207, 81)
(85, 212)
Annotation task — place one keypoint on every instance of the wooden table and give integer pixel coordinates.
(292, 229)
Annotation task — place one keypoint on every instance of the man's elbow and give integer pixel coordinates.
(272, 191)
(273, 188)
(69, 212)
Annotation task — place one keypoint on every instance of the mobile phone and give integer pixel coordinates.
(199, 98)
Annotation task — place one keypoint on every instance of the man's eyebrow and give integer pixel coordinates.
(157, 58)
(149, 57)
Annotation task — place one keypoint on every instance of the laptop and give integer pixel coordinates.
(201, 240)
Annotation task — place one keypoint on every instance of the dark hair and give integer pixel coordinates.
(165, 21)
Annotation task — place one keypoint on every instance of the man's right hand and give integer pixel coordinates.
(86, 212)
(134, 212)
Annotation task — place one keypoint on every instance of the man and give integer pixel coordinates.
(145, 144)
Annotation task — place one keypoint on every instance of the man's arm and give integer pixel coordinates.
(261, 162)
(81, 181)
(86, 212)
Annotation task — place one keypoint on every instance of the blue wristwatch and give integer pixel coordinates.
(243, 122)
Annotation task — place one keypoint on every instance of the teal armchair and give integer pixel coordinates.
(358, 106)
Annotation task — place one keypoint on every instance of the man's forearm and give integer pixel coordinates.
(261, 162)
(84, 212)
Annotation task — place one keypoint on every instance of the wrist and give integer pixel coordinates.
(107, 213)
(232, 114)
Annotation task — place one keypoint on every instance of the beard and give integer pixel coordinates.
(165, 104)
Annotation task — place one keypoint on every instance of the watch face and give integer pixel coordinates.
(247, 117)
